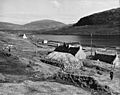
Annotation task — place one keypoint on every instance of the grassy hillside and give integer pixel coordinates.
(103, 23)
(86, 30)
(22, 71)
(36, 25)
(9, 26)
(110, 17)
(44, 24)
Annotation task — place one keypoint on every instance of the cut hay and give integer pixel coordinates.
(68, 61)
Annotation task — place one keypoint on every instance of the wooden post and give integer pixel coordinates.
(91, 43)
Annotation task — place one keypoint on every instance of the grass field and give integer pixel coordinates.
(22, 72)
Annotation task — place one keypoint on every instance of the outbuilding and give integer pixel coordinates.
(24, 36)
(108, 58)
(45, 41)
(72, 49)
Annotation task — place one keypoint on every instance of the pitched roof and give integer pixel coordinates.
(104, 57)
(66, 49)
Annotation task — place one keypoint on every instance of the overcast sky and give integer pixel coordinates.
(66, 11)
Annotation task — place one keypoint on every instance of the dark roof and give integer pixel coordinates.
(104, 57)
(66, 49)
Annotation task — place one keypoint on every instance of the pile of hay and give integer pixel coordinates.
(68, 60)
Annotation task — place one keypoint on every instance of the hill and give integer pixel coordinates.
(44, 24)
(36, 25)
(102, 23)
(86, 30)
(110, 17)
(9, 26)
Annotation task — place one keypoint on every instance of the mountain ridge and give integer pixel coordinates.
(34, 25)
(108, 17)
(44, 24)
(102, 23)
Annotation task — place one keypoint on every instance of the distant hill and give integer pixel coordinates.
(110, 17)
(36, 25)
(44, 24)
(9, 26)
(102, 23)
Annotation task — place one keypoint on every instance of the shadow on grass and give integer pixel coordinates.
(11, 64)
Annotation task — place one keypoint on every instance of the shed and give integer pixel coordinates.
(108, 58)
(44, 41)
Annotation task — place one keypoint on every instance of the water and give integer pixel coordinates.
(111, 41)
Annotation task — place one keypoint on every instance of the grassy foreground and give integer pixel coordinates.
(23, 72)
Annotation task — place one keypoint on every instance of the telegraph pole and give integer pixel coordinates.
(91, 43)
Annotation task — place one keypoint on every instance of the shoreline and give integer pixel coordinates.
(85, 45)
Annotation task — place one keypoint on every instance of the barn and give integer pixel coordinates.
(74, 50)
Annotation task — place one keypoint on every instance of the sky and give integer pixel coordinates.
(66, 11)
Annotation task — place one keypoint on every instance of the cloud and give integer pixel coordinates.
(56, 3)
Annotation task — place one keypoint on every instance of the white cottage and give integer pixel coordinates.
(24, 36)
(44, 41)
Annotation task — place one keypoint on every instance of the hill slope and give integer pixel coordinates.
(44, 24)
(9, 26)
(110, 17)
(36, 25)
(103, 23)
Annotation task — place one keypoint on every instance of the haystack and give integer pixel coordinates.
(67, 59)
